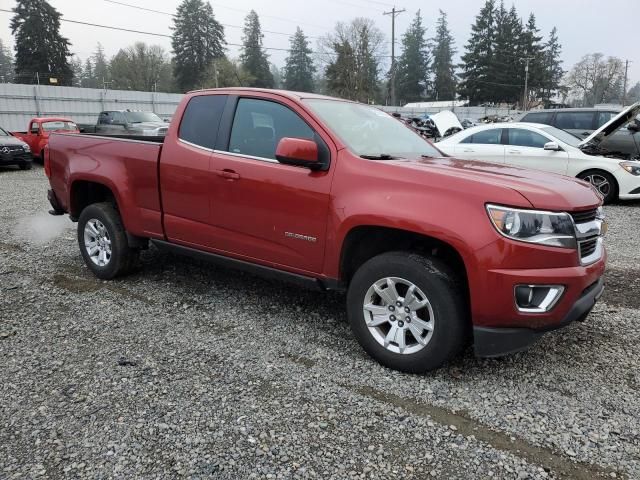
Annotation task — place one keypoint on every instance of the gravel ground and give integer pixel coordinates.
(187, 370)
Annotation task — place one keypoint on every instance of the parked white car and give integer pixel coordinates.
(547, 148)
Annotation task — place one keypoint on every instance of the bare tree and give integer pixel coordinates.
(596, 79)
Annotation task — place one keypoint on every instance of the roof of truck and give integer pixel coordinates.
(284, 93)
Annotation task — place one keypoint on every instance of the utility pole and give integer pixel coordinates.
(624, 89)
(525, 98)
(394, 13)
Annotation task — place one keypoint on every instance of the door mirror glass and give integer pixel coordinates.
(298, 151)
(553, 146)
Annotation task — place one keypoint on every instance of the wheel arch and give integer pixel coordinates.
(600, 169)
(86, 192)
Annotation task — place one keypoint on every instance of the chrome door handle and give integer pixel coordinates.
(514, 152)
(468, 150)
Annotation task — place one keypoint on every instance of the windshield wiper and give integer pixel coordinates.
(381, 156)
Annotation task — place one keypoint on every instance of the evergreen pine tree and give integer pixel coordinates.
(87, 77)
(341, 71)
(506, 63)
(198, 39)
(553, 72)
(299, 68)
(254, 59)
(78, 71)
(40, 49)
(444, 77)
(412, 76)
(476, 77)
(533, 49)
(100, 66)
(6, 64)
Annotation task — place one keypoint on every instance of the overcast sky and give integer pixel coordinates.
(584, 26)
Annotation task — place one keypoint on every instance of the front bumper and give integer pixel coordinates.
(496, 342)
(19, 158)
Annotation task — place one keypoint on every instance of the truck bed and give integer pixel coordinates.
(77, 160)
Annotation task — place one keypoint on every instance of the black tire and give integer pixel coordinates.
(123, 258)
(445, 294)
(611, 195)
(25, 166)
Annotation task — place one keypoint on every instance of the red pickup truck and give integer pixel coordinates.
(433, 252)
(37, 136)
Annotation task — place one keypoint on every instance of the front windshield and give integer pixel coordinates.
(3, 133)
(370, 131)
(53, 126)
(563, 136)
(140, 117)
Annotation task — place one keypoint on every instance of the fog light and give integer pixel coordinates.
(537, 298)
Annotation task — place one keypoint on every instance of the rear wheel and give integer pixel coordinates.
(407, 311)
(103, 242)
(603, 182)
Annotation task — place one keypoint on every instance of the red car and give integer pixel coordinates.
(433, 252)
(37, 136)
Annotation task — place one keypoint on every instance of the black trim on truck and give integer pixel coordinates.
(261, 270)
(497, 342)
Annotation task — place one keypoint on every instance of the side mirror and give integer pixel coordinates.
(553, 146)
(299, 152)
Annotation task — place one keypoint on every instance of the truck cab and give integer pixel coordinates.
(37, 135)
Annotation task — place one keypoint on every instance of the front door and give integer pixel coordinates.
(525, 148)
(484, 145)
(262, 209)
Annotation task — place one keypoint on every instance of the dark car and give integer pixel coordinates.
(125, 122)
(582, 122)
(14, 151)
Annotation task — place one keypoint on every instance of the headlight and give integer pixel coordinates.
(544, 228)
(632, 167)
(26, 148)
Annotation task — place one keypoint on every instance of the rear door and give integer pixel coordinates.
(484, 145)
(580, 123)
(186, 177)
(525, 148)
(262, 209)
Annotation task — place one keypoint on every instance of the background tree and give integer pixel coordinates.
(39, 46)
(553, 72)
(254, 59)
(142, 67)
(596, 79)
(633, 95)
(353, 68)
(412, 75)
(299, 68)
(78, 71)
(226, 73)
(198, 39)
(6, 64)
(444, 77)
(477, 82)
(533, 49)
(101, 72)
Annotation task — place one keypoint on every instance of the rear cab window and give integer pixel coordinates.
(201, 120)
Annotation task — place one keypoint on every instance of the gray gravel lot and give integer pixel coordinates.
(189, 370)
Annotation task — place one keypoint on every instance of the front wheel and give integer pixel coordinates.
(603, 182)
(103, 241)
(25, 166)
(407, 311)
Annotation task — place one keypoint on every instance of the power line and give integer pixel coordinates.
(137, 7)
(164, 35)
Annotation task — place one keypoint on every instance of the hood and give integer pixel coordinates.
(10, 141)
(612, 126)
(445, 121)
(545, 191)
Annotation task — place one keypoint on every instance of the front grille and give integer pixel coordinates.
(162, 131)
(11, 149)
(585, 216)
(587, 247)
